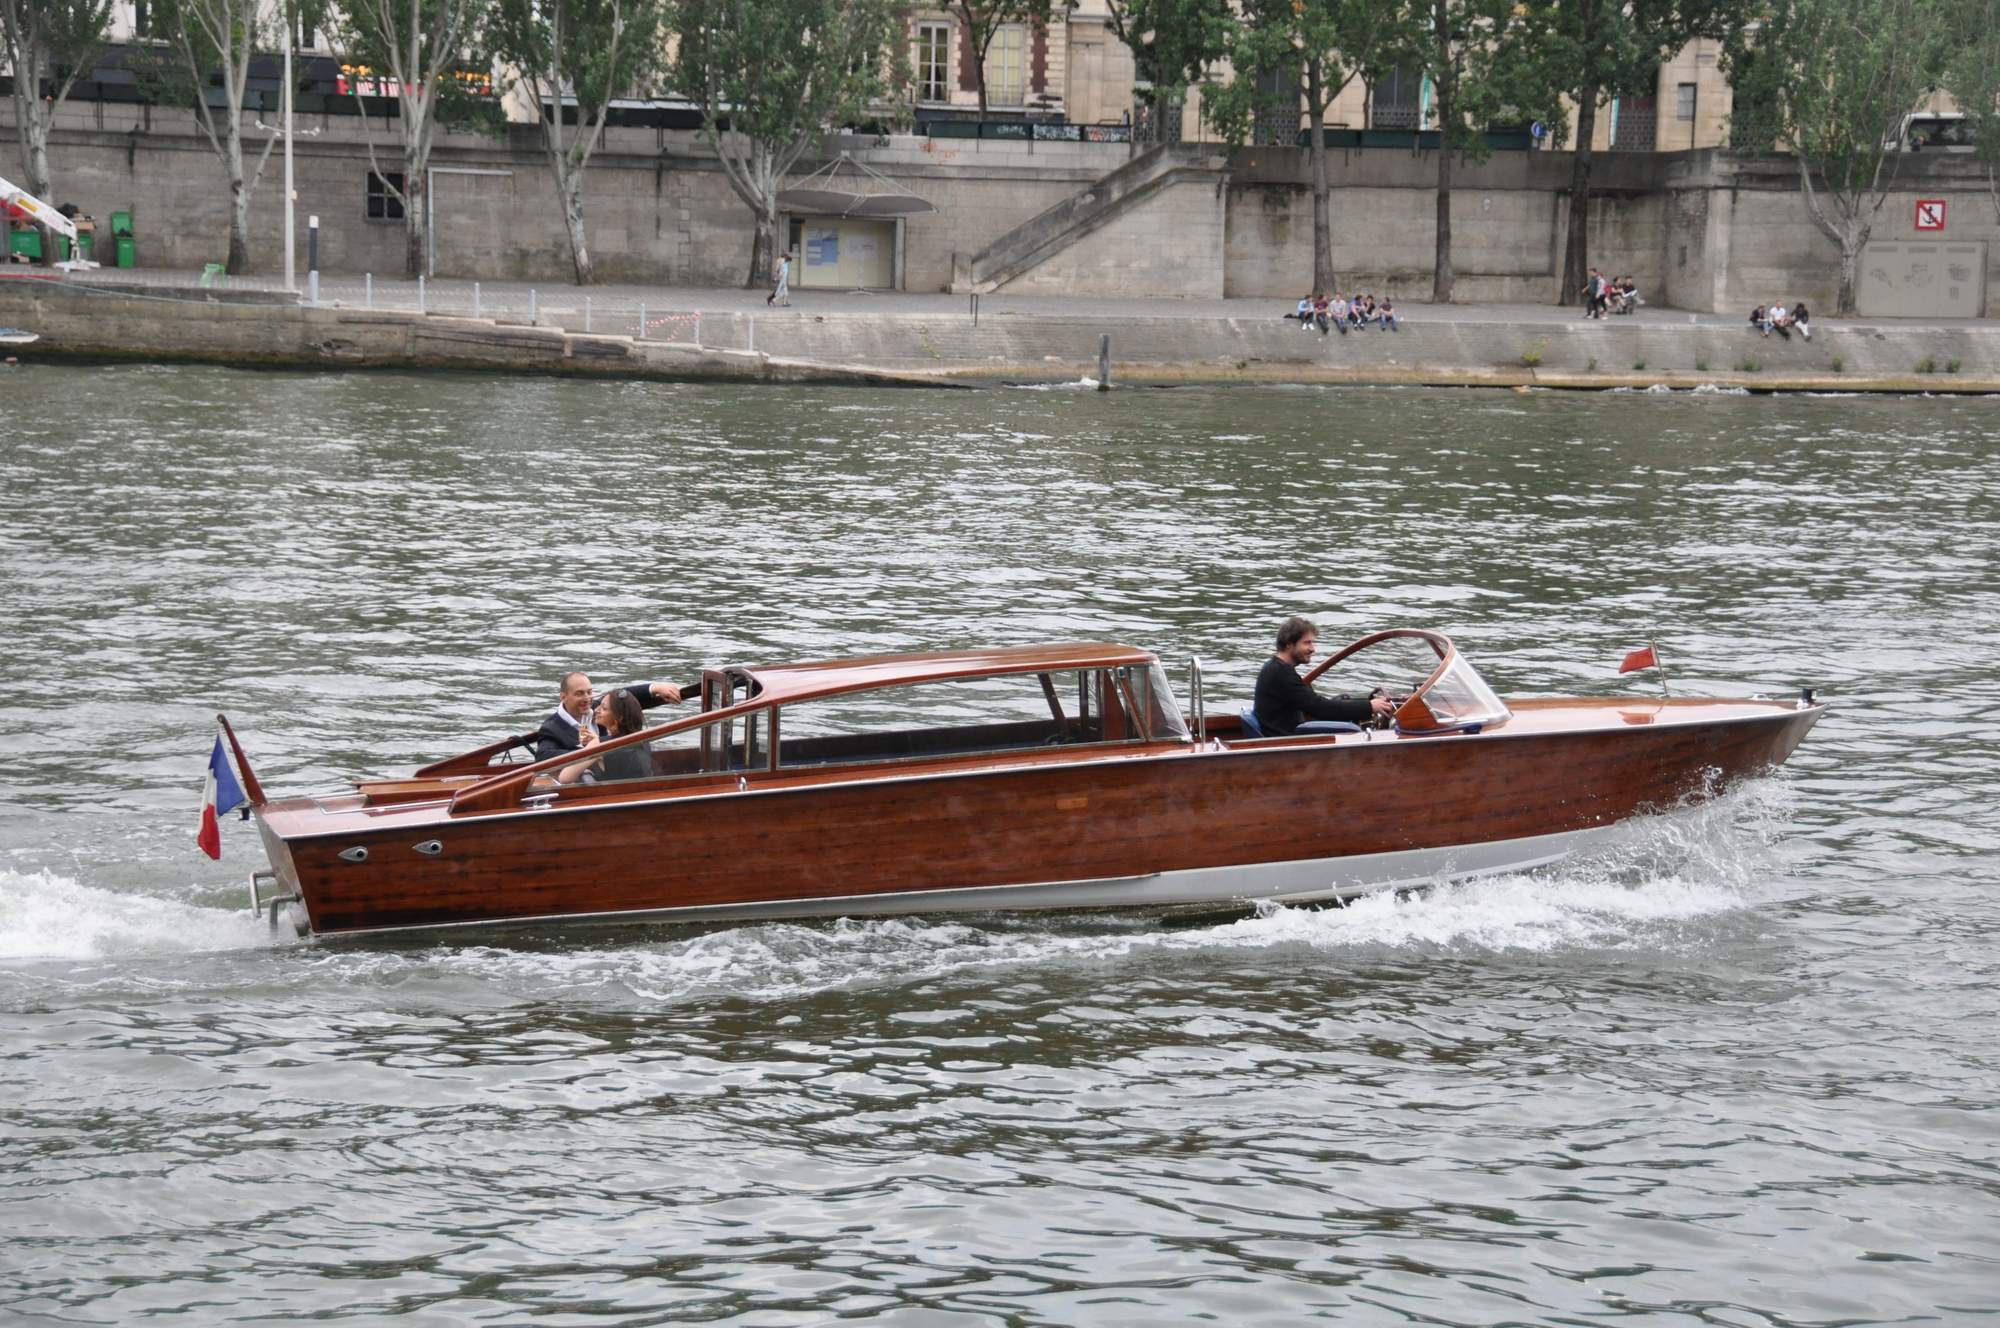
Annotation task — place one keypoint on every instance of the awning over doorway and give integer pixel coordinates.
(863, 192)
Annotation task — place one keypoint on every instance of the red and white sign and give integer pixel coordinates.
(1930, 214)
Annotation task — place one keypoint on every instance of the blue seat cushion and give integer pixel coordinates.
(1251, 729)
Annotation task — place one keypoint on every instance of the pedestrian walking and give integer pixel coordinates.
(781, 281)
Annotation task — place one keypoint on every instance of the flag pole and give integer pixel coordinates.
(1653, 646)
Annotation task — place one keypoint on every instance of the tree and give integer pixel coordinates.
(984, 18)
(47, 42)
(1583, 51)
(1972, 76)
(1841, 77)
(590, 49)
(1455, 44)
(770, 76)
(1172, 42)
(1324, 43)
(422, 50)
(207, 39)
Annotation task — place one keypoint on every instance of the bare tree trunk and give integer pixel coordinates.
(35, 153)
(239, 224)
(763, 245)
(1850, 269)
(416, 235)
(569, 186)
(1443, 278)
(1322, 201)
(1576, 253)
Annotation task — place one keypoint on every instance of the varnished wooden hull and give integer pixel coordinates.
(1132, 829)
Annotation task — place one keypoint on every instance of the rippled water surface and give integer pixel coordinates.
(1743, 1071)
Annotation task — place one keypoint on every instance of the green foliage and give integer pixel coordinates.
(1531, 355)
(1578, 49)
(780, 71)
(1951, 366)
(1747, 366)
(1837, 363)
(592, 50)
(1172, 41)
(1972, 76)
(1592, 366)
(983, 18)
(1926, 365)
(1701, 364)
(1326, 43)
(425, 53)
(1638, 366)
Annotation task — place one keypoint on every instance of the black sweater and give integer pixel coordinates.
(1284, 701)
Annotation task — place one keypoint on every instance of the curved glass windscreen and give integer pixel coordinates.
(1460, 696)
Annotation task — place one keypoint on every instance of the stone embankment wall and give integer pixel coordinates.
(881, 348)
(1699, 230)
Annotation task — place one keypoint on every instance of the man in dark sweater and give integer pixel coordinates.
(1284, 700)
(569, 725)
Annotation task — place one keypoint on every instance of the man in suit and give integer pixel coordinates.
(570, 727)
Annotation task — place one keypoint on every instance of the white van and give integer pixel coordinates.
(1935, 131)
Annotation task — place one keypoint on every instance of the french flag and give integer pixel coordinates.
(220, 795)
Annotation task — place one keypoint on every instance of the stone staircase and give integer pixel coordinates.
(1105, 200)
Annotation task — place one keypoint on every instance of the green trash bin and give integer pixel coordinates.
(128, 251)
(121, 223)
(26, 241)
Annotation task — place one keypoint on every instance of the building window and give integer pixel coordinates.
(384, 205)
(933, 62)
(1007, 66)
(142, 18)
(1684, 102)
(1396, 100)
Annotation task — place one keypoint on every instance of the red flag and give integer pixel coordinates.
(1639, 659)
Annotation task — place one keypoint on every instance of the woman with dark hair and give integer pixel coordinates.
(617, 714)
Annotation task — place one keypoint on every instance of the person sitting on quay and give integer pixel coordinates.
(1304, 313)
(1284, 699)
(1800, 320)
(1761, 320)
(569, 726)
(1780, 321)
(1338, 311)
(1385, 316)
(1322, 318)
(1354, 316)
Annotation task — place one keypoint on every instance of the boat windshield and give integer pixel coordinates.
(1460, 696)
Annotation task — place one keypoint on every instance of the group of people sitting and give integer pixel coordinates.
(582, 720)
(1344, 313)
(1610, 295)
(1769, 318)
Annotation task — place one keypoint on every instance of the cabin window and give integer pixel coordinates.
(975, 716)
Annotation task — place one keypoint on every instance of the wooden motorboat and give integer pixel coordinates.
(1044, 777)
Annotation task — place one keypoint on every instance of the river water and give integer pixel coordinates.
(1742, 1073)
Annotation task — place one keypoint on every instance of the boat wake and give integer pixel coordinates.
(1660, 891)
(45, 915)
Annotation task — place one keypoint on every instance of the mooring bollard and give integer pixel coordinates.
(476, 311)
(421, 307)
(697, 329)
(368, 289)
(534, 313)
(586, 313)
(1104, 363)
(975, 308)
(642, 322)
(312, 260)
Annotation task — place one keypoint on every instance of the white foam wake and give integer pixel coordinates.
(44, 915)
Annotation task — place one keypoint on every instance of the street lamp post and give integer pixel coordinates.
(291, 195)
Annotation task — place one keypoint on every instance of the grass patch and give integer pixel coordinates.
(1951, 366)
(1837, 364)
(1927, 365)
(1592, 366)
(1532, 355)
(1747, 366)
(1638, 366)
(1701, 364)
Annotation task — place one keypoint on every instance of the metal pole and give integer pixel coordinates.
(753, 334)
(291, 193)
(312, 259)
(368, 289)
(533, 315)
(586, 313)
(642, 322)
(476, 310)
(697, 346)
(420, 294)
(1104, 363)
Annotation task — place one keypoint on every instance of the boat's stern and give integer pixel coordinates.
(275, 893)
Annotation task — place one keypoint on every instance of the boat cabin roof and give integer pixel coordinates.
(791, 682)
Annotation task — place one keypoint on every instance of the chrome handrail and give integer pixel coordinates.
(1200, 706)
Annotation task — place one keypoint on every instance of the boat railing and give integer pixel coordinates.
(1196, 702)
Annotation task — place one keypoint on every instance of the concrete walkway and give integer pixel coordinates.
(616, 309)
